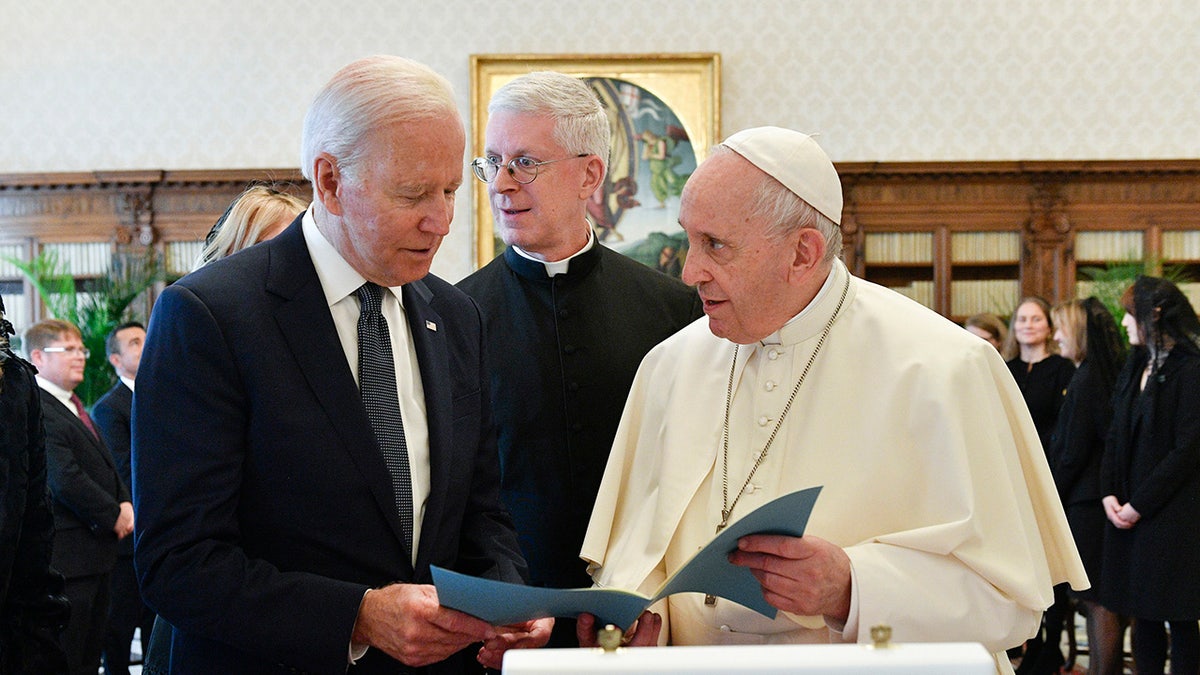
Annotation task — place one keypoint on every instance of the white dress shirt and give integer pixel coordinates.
(339, 281)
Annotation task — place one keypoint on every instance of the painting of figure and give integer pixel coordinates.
(636, 210)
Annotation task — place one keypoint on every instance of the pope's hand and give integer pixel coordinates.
(802, 575)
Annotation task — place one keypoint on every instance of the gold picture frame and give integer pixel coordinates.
(688, 86)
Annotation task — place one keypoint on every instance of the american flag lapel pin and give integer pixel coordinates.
(431, 326)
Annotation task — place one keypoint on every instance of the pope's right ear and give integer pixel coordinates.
(327, 179)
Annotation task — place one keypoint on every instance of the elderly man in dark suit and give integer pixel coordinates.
(92, 510)
(112, 415)
(312, 425)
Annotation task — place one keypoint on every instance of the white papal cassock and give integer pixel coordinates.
(934, 480)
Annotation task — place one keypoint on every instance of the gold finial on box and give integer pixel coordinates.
(881, 636)
(610, 638)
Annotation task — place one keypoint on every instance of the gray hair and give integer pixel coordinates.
(580, 125)
(365, 95)
(786, 212)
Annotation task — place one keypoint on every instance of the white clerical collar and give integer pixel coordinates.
(787, 333)
(338, 278)
(560, 266)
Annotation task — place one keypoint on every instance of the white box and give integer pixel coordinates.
(951, 658)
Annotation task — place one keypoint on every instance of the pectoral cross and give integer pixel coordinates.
(711, 600)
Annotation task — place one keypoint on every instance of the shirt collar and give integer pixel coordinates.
(814, 315)
(560, 266)
(338, 278)
(57, 391)
(128, 382)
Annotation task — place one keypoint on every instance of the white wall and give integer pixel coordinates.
(131, 84)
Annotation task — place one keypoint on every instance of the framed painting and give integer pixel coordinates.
(664, 113)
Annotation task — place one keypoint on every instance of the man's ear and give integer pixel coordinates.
(327, 180)
(114, 360)
(593, 176)
(810, 249)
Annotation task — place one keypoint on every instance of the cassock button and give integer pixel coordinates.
(569, 349)
(770, 385)
(562, 313)
(774, 354)
(574, 386)
(764, 421)
(577, 427)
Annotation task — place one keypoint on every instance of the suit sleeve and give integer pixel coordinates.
(70, 483)
(489, 545)
(1182, 461)
(114, 429)
(191, 422)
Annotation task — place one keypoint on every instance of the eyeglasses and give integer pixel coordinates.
(522, 169)
(82, 351)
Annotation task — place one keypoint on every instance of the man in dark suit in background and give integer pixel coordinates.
(112, 417)
(568, 320)
(286, 520)
(92, 510)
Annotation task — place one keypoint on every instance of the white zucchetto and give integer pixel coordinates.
(794, 159)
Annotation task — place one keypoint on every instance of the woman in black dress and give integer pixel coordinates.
(1087, 334)
(1151, 479)
(1042, 376)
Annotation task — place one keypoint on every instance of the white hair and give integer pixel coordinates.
(580, 125)
(367, 94)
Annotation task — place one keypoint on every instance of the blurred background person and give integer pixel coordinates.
(1088, 335)
(112, 415)
(92, 508)
(989, 327)
(258, 214)
(1043, 376)
(1151, 480)
(33, 609)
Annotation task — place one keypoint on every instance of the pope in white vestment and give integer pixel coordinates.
(935, 483)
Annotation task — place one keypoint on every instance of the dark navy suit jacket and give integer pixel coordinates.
(86, 492)
(264, 507)
(111, 415)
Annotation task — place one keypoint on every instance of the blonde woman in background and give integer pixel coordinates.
(989, 327)
(1043, 376)
(258, 214)
(1087, 334)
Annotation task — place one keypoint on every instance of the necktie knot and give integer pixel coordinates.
(83, 414)
(370, 297)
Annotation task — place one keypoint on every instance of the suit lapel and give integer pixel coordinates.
(433, 357)
(53, 406)
(307, 326)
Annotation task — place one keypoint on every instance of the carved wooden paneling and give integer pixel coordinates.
(129, 210)
(1046, 202)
